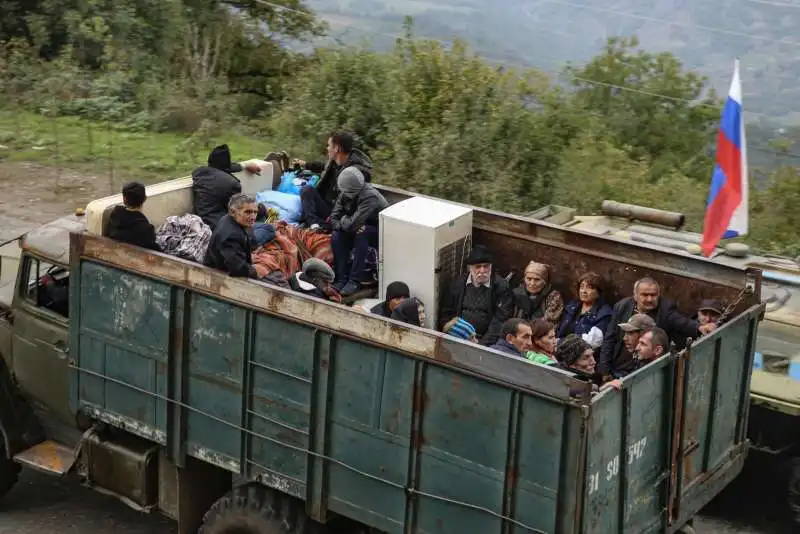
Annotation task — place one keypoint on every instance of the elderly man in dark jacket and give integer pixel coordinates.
(318, 201)
(482, 298)
(355, 228)
(646, 299)
(214, 185)
(229, 249)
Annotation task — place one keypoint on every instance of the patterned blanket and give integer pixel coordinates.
(184, 236)
(291, 247)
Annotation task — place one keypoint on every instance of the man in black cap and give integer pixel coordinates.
(396, 292)
(482, 298)
(127, 223)
(214, 185)
(709, 311)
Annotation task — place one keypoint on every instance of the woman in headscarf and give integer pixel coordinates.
(543, 336)
(316, 280)
(410, 311)
(535, 297)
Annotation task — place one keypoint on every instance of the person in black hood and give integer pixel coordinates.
(214, 185)
(396, 292)
(410, 311)
(127, 223)
(318, 201)
(481, 297)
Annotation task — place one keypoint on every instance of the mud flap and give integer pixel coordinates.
(186, 493)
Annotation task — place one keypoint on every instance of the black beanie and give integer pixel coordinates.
(479, 254)
(397, 290)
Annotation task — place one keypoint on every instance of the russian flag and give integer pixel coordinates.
(726, 209)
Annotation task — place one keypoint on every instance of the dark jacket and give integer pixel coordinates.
(573, 323)
(350, 214)
(666, 316)
(382, 309)
(504, 346)
(328, 187)
(211, 191)
(229, 249)
(503, 303)
(131, 227)
(301, 284)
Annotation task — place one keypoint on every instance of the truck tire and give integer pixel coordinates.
(255, 509)
(9, 472)
(794, 490)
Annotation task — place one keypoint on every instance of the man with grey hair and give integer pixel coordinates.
(229, 248)
(355, 228)
(615, 358)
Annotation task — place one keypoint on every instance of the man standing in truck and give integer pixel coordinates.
(646, 299)
(214, 185)
(229, 248)
(482, 298)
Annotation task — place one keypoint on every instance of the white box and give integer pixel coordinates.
(424, 243)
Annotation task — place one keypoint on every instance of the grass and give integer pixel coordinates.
(98, 146)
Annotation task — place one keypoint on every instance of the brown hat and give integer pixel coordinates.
(711, 305)
(637, 323)
(539, 269)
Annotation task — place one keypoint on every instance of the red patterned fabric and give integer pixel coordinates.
(291, 247)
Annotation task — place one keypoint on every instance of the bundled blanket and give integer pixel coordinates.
(291, 247)
(184, 236)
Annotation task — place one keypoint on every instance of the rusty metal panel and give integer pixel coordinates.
(513, 251)
(216, 352)
(716, 379)
(344, 321)
(627, 472)
(122, 338)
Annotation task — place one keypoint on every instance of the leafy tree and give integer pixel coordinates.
(674, 131)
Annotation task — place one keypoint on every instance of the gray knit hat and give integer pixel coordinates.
(316, 268)
(351, 182)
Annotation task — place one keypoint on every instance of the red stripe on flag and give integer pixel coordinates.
(729, 158)
(722, 207)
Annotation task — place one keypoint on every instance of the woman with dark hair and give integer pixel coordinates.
(577, 356)
(544, 342)
(588, 312)
(410, 311)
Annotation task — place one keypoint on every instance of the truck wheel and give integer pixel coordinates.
(9, 472)
(794, 489)
(255, 509)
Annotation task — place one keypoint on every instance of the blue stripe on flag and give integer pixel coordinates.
(717, 181)
(731, 121)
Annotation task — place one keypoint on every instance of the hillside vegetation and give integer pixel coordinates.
(183, 75)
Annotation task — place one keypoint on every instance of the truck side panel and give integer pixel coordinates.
(628, 462)
(713, 410)
(390, 440)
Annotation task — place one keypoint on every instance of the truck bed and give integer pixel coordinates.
(399, 428)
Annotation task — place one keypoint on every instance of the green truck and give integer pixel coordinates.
(239, 408)
(774, 426)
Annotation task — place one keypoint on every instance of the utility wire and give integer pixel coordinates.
(396, 36)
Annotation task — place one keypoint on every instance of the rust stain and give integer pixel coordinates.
(324, 363)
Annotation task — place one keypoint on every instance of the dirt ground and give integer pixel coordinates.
(31, 193)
